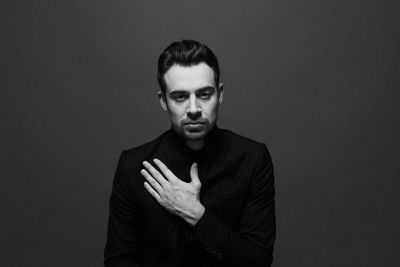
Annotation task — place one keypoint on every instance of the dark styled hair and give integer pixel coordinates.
(186, 53)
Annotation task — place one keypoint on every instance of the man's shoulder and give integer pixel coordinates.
(252, 152)
(143, 149)
(240, 141)
(237, 144)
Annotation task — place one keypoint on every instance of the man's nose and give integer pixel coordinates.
(194, 110)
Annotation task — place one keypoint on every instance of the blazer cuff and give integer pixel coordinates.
(205, 234)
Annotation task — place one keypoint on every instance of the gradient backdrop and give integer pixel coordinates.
(317, 80)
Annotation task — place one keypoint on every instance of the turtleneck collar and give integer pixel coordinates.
(179, 145)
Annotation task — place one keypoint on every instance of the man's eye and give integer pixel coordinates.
(205, 95)
(179, 97)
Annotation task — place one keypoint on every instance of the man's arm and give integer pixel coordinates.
(122, 246)
(252, 244)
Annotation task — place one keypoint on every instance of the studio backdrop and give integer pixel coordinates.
(317, 81)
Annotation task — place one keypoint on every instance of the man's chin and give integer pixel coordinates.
(194, 135)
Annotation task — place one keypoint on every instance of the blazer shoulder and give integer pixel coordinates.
(241, 145)
(140, 152)
(238, 141)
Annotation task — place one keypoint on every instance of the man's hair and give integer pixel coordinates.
(186, 53)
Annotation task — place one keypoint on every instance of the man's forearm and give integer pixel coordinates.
(231, 247)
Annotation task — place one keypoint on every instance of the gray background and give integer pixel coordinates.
(318, 81)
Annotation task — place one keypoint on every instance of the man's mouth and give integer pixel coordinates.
(194, 123)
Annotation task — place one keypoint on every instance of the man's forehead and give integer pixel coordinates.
(193, 77)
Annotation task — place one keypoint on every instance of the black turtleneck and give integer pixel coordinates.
(238, 226)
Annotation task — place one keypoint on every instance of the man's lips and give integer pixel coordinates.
(194, 126)
(194, 123)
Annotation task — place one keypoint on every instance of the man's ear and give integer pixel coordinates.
(163, 101)
(220, 91)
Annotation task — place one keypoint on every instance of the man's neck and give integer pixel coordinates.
(195, 145)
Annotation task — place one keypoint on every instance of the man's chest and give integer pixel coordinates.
(226, 183)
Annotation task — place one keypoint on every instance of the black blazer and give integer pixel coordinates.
(238, 226)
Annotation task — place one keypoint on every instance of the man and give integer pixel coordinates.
(197, 195)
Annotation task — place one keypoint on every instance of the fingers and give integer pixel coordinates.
(194, 174)
(155, 174)
(164, 169)
(151, 181)
(152, 192)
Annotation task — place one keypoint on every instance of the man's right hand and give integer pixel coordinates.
(178, 197)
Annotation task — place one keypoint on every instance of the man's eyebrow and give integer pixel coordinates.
(177, 92)
(201, 89)
(205, 88)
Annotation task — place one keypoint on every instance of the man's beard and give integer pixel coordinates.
(195, 129)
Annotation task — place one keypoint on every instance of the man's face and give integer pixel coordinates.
(191, 99)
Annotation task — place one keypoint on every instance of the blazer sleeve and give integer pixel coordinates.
(122, 246)
(252, 244)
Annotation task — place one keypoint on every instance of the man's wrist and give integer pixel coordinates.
(198, 212)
